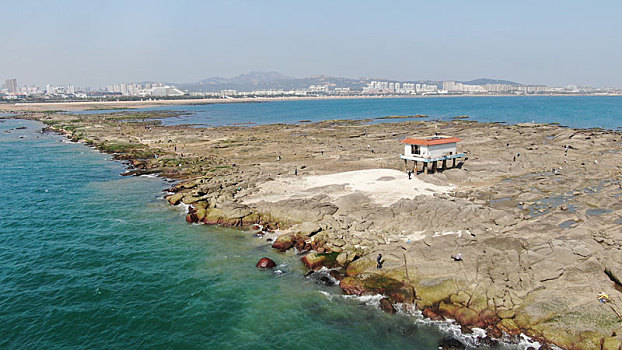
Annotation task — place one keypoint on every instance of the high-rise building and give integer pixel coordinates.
(11, 85)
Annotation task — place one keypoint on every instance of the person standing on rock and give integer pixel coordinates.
(379, 261)
(296, 171)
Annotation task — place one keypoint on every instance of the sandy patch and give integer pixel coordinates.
(382, 186)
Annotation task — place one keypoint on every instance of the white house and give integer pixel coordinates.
(431, 150)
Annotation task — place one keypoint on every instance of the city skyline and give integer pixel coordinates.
(552, 43)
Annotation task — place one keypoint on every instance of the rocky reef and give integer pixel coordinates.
(534, 213)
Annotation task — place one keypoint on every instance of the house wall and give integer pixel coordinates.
(442, 150)
(431, 151)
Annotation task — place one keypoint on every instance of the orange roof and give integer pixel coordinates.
(431, 141)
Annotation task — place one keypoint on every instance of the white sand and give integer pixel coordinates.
(383, 186)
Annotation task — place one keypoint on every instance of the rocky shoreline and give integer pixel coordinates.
(536, 223)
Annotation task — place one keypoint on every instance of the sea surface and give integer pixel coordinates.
(573, 111)
(93, 260)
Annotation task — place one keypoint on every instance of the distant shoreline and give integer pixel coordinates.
(83, 105)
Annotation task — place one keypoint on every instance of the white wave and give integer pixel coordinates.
(448, 326)
(151, 176)
(324, 271)
(184, 208)
(371, 300)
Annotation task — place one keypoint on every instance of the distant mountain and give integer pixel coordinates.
(269, 80)
(276, 81)
(484, 81)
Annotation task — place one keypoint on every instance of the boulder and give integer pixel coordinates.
(175, 199)
(309, 229)
(364, 264)
(314, 261)
(353, 286)
(265, 263)
(489, 317)
(386, 306)
(431, 314)
(468, 317)
(284, 242)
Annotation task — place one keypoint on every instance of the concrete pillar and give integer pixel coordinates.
(454, 164)
(444, 164)
(434, 166)
(415, 168)
(425, 167)
(405, 164)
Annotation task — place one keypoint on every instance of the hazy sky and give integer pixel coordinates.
(93, 43)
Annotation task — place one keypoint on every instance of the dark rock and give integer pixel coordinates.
(488, 341)
(265, 263)
(336, 275)
(386, 306)
(321, 278)
(451, 343)
(192, 218)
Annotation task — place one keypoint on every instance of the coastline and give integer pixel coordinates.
(220, 198)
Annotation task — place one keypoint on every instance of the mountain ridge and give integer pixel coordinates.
(272, 80)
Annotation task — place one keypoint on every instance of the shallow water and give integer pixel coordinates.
(573, 111)
(90, 259)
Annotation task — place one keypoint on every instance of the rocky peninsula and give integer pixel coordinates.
(521, 237)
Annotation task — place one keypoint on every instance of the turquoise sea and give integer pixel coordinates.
(574, 111)
(93, 260)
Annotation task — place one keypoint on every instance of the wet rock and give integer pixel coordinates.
(353, 286)
(396, 291)
(487, 341)
(451, 343)
(321, 278)
(284, 242)
(265, 263)
(386, 306)
(336, 275)
(431, 314)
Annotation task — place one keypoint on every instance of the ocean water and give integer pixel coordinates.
(93, 260)
(572, 111)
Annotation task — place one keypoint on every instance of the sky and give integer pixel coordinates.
(95, 43)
